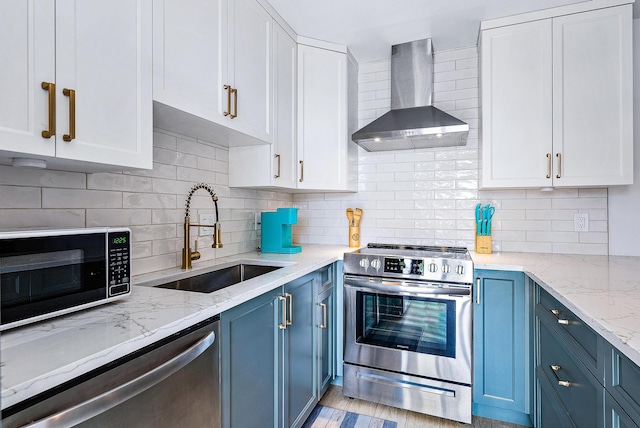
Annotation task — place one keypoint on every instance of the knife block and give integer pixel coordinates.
(483, 243)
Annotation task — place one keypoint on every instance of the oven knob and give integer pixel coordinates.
(375, 263)
(446, 268)
(459, 269)
(364, 263)
(433, 267)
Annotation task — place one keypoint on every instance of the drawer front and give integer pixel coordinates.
(615, 416)
(576, 388)
(551, 412)
(326, 278)
(623, 381)
(582, 340)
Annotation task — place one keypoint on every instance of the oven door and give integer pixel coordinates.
(410, 327)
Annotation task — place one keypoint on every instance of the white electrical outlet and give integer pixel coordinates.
(581, 222)
(207, 219)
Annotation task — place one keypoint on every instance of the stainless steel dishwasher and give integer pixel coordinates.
(172, 383)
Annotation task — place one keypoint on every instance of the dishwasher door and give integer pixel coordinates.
(172, 383)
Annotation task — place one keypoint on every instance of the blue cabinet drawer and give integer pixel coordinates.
(326, 276)
(622, 380)
(576, 388)
(580, 338)
(615, 415)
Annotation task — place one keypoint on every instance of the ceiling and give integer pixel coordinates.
(370, 27)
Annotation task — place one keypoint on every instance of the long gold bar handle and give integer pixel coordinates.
(555, 369)
(324, 315)
(559, 156)
(478, 291)
(72, 114)
(283, 325)
(301, 171)
(290, 316)
(278, 173)
(234, 91)
(51, 89)
(548, 165)
(228, 110)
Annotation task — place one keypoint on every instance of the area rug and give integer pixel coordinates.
(327, 417)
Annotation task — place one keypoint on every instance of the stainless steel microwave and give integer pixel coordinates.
(54, 272)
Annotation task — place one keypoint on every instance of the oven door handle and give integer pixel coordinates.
(401, 286)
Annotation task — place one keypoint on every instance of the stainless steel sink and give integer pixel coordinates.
(219, 279)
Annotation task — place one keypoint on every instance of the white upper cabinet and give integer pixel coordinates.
(273, 165)
(312, 148)
(325, 151)
(212, 70)
(77, 82)
(557, 100)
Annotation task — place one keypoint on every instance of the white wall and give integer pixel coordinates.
(428, 196)
(624, 201)
(151, 203)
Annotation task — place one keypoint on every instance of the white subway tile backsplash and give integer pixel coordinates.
(26, 177)
(117, 217)
(12, 219)
(20, 197)
(78, 198)
(440, 192)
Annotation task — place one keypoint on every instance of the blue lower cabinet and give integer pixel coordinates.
(502, 363)
(268, 371)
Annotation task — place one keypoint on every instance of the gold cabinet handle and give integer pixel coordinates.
(324, 315)
(555, 368)
(227, 112)
(559, 156)
(234, 91)
(290, 316)
(278, 173)
(283, 325)
(478, 291)
(556, 314)
(548, 165)
(72, 114)
(301, 171)
(51, 89)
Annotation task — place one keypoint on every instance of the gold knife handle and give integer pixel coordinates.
(51, 89)
(72, 114)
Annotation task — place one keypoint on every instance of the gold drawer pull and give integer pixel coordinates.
(324, 315)
(278, 173)
(301, 171)
(555, 368)
(548, 165)
(234, 91)
(283, 325)
(227, 112)
(559, 156)
(51, 89)
(290, 317)
(556, 314)
(72, 114)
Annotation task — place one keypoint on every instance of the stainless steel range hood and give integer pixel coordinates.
(412, 123)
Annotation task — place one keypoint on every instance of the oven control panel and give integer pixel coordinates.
(404, 266)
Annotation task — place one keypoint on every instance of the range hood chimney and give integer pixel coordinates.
(412, 123)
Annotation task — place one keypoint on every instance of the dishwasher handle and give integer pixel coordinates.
(109, 399)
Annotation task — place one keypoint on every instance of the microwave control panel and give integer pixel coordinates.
(119, 262)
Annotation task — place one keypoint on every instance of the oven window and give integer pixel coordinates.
(410, 323)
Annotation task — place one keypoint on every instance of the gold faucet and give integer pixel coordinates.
(187, 254)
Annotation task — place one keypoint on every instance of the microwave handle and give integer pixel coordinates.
(397, 286)
(103, 402)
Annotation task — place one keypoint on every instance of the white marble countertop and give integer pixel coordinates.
(38, 357)
(603, 291)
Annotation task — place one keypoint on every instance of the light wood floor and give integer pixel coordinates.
(404, 418)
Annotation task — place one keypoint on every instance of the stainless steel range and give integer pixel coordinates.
(407, 316)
